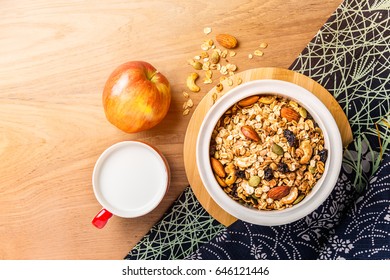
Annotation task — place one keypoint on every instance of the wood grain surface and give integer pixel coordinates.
(55, 57)
(207, 102)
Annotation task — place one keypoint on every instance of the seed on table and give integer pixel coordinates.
(258, 53)
(263, 45)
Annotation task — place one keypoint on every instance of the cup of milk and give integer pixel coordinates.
(129, 180)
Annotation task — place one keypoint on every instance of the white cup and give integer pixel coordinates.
(129, 180)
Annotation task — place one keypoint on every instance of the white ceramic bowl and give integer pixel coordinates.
(320, 114)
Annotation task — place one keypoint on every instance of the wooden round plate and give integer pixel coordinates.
(205, 104)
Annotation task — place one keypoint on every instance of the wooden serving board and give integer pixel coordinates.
(254, 74)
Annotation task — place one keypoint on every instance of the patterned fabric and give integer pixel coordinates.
(349, 56)
(182, 229)
(364, 232)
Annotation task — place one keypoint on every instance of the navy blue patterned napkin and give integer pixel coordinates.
(350, 57)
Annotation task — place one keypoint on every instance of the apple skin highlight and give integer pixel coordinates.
(136, 97)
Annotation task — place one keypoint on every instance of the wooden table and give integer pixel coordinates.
(55, 57)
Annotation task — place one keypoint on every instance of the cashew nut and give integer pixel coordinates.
(231, 178)
(290, 198)
(307, 152)
(268, 99)
(230, 168)
(191, 82)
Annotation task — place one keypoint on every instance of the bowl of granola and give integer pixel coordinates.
(269, 152)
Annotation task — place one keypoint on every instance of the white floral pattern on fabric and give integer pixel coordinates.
(340, 245)
(365, 231)
(256, 252)
(387, 217)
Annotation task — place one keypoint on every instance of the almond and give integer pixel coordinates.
(278, 192)
(248, 101)
(220, 181)
(227, 41)
(217, 166)
(289, 114)
(250, 133)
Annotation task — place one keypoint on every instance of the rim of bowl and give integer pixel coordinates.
(315, 108)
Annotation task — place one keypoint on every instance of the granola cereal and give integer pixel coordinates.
(216, 58)
(271, 161)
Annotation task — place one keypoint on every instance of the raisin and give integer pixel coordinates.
(323, 155)
(291, 138)
(282, 167)
(234, 191)
(212, 150)
(240, 174)
(268, 173)
(310, 117)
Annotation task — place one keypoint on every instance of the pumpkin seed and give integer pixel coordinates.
(299, 199)
(277, 149)
(302, 111)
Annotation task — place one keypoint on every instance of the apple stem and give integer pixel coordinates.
(152, 76)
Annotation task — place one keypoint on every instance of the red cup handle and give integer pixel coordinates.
(101, 218)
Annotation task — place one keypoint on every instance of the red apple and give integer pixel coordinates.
(136, 96)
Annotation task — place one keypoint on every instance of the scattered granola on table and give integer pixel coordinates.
(213, 60)
(271, 151)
